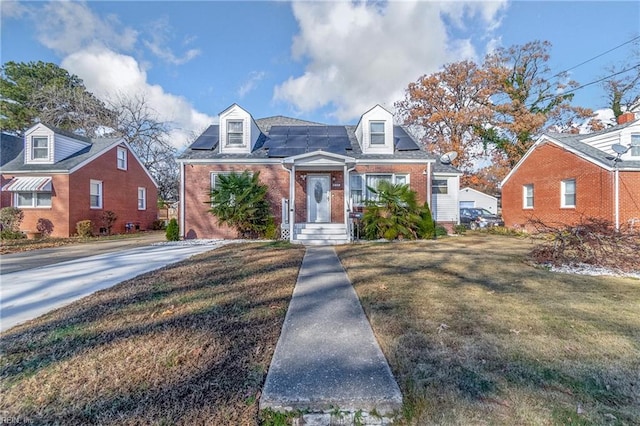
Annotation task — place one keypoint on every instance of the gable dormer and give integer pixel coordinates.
(375, 131)
(627, 135)
(44, 145)
(238, 131)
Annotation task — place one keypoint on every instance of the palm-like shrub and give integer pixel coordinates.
(396, 214)
(240, 201)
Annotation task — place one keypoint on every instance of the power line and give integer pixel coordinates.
(602, 79)
(597, 56)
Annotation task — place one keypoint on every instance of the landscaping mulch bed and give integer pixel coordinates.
(188, 344)
(476, 334)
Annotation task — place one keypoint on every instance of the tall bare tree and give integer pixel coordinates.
(622, 90)
(149, 136)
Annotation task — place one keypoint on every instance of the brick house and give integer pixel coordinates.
(317, 174)
(564, 178)
(65, 178)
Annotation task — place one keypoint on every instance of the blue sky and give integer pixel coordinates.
(321, 61)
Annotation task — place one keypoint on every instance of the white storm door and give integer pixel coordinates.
(319, 198)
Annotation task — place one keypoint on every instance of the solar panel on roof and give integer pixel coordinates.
(406, 144)
(336, 131)
(340, 140)
(318, 141)
(208, 139)
(286, 152)
(298, 130)
(278, 130)
(317, 130)
(335, 149)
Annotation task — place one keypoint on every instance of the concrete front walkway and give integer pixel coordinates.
(327, 357)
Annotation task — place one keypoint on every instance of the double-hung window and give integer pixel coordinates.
(32, 199)
(568, 193)
(142, 198)
(635, 145)
(39, 148)
(359, 185)
(95, 194)
(377, 132)
(527, 196)
(122, 158)
(235, 133)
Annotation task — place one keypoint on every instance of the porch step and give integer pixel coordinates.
(320, 233)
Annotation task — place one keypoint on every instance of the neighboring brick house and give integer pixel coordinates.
(65, 178)
(317, 174)
(565, 178)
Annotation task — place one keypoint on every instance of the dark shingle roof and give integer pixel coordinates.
(65, 165)
(574, 142)
(285, 136)
(11, 147)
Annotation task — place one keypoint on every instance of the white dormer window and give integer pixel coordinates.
(39, 148)
(635, 145)
(235, 135)
(377, 132)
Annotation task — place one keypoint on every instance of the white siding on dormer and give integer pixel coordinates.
(60, 147)
(605, 141)
(445, 206)
(250, 130)
(363, 131)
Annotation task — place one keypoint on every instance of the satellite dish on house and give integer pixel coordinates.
(448, 157)
(619, 149)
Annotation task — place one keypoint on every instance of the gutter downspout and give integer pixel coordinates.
(617, 198)
(181, 213)
(292, 194)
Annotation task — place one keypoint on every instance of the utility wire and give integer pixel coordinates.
(597, 56)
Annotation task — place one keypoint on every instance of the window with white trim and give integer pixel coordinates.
(527, 196)
(235, 133)
(635, 145)
(122, 158)
(39, 148)
(568, 193)
(440, 186)
(142, 198)
(95, 194)
(359, 185)
(32, 199)
(376, 129)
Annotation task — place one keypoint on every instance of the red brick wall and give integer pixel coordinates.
(545, 168)
(70, 197)
(199, 223)
(629, 198)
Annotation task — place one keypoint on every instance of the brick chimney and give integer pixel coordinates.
(626, 117)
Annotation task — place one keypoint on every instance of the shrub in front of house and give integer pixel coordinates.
(396, 214)
(10, 220)
(173, 230)
(108, 218)
(84, 229)
(240, 201)
(44, 227)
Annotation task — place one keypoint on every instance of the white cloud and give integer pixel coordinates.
(252, 82)
(107, 73)
(160, 34)
(67, 27)
(359, 54)
(12, 9)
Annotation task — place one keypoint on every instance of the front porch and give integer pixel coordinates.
(319, 186)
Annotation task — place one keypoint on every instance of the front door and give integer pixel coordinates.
(319, 198)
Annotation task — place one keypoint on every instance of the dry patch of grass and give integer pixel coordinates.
(188, 344)
(476, 335)
(24, 244)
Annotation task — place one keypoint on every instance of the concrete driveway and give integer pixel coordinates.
(28, 293)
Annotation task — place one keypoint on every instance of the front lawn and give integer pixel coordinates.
(476, 335)
(188, 344)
